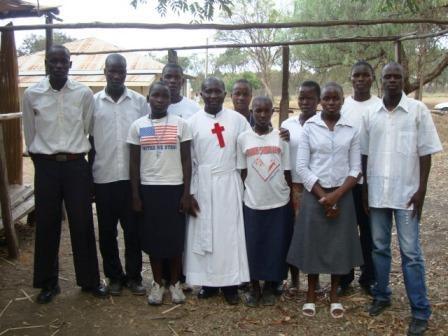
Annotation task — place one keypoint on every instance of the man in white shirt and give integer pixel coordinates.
(398, 138)
(362, 76)
(116, 108)
(57, 113)
(173, 76)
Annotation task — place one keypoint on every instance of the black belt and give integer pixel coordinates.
(59, 157)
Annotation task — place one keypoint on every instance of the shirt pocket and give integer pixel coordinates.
(73, 112)
(407, 143)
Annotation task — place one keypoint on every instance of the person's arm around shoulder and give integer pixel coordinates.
(188, 203)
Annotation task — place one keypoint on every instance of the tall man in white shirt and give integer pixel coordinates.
(173, 76)
(398, 138)
(57, 113)
(116, 107)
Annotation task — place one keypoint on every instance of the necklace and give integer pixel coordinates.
(159, 138)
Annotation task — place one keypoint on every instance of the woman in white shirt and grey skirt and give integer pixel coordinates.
(325, 236)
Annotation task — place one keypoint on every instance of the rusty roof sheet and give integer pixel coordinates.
(22, 8)
(88, 69)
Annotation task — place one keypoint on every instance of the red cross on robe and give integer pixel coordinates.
(218, 129)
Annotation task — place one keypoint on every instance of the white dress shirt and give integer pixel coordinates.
(57, 121)
(110, 126)
(394, 141)
(325, 156)
(353, 110)
(294, 127)
(185, 108)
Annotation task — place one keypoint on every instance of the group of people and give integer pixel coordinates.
(219, 198)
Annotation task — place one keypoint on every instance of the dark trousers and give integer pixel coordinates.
(113, 204)
(54, 182)
(367, 273)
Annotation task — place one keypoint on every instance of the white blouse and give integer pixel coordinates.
(325, 156)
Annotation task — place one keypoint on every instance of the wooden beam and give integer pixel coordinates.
(284, 102)
(189, 26)
(172, 56)
(390, 38)
(250, 45)
(48, 34)
(5, 203)
(397, 49)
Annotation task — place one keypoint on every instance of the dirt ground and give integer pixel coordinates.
(77, 313)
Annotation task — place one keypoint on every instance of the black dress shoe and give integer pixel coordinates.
(115, 287)
(99, 291)
(417, 327)
(231, 294)
(207, 292)
(136, 287)
(232, 298)
(377, 307)
(46, 295)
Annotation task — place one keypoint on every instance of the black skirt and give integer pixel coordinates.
(163, 227)
(268, 234)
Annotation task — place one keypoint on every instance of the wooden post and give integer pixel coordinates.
(9, 102)
(48, 36)
(172, 56)
(397, 45)
(284, 102)
(5, 203)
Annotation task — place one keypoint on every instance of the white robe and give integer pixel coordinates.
(215, 251)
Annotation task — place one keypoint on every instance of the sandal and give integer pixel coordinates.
(309, 309)
(336, 310)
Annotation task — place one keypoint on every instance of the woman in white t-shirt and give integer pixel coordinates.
(263, 158)
(160, 169)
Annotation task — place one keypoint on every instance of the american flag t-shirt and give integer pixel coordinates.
(158, 135)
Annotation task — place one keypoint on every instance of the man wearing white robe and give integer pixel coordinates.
(215, 253)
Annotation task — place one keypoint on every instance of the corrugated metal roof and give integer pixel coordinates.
(21, 8)
(89, 68)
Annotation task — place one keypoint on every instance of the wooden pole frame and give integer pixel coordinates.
(284, 102)
(199, 26)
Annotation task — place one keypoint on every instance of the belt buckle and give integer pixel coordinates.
(61, 157)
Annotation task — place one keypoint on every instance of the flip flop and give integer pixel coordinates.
(334, 308)
(309, 309)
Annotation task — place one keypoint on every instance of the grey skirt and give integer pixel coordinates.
(323, 245)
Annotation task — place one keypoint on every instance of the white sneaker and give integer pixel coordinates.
(177, 295)
(156, 295)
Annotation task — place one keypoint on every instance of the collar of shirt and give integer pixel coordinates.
(105, 96)
(403, 105)
(46, 86)
(317, 119)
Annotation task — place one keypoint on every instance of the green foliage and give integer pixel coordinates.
(200, 11)
(262, 59)
(333, 61)
(35, 43)
(230, 79)
(232, 60)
